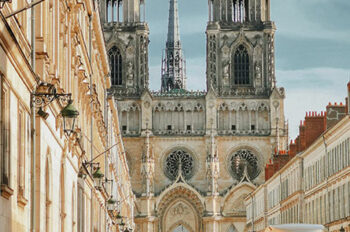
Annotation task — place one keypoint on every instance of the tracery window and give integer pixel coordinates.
(241, 159)
(239, 10)
(115, 62)
(241, 66)
(176, 159)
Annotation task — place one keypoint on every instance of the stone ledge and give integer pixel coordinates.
(21, 199)
(6, 191)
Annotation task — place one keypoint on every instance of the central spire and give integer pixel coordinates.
(173, 62)
(173, 26)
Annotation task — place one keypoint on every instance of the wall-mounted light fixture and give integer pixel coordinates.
(45, 94)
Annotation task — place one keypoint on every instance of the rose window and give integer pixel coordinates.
(244, 159)
(176, 159)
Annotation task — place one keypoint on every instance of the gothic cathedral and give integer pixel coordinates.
(194, 156)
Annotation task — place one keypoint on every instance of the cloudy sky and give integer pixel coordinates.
(312, 49)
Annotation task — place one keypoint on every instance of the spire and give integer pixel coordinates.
(173, 61)
(173, 26)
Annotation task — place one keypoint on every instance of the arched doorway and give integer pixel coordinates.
(180, 209)
(180, 228)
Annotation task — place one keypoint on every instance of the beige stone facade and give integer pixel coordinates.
(195, 156)
(313, 187)
(46, 178)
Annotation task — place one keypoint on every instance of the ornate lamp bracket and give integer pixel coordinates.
(46, 93)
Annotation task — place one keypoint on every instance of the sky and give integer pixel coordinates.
(312, 46)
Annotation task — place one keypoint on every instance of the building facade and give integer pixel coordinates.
(314, 186)
(55, 177)
(194, 156)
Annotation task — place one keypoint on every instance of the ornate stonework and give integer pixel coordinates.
(196, 155)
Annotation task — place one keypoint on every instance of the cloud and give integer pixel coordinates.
(321, 19)
(311, 90)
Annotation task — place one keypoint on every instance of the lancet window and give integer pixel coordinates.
(240, 10)
(114, 11)
(115, 62)
(241, 66)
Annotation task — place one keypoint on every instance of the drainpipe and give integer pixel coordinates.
(106, 157)
(32, 215)
(91, 127)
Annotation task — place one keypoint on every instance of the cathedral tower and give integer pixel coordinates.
(195, 156)
(126, 35)
(240, 48)
(173, 62)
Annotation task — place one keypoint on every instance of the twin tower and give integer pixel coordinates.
(194, 157)
(240, 48)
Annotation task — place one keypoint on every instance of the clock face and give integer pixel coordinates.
(244, 159)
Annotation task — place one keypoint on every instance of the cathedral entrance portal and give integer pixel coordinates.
(180, 216)
(180, 228)
(180, 209)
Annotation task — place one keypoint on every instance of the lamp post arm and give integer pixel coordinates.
(24, 8)
(103, 152)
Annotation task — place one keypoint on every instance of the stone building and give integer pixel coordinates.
(55, 175)
(194, 156)
(314, 186)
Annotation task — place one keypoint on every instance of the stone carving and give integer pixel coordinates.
(147, 104)
(173, 106)
(226, 74)
(180, 210)
(258, 81)
(212, 60)
(128, 106)
(130, 74)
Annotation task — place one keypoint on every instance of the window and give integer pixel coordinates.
(81, 208)
(61, 201)
(233, 127)
(124, 128)
(5, 137)
(252, 127)
(239, 10)
(188, 127)
(169, 127)
(47, 196)
(115, 62)
(21, 142)
(241, 66)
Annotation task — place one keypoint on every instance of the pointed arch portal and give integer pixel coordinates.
(180, 228)
(180, 209)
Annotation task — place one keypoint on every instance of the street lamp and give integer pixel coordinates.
(111, 203)
(69, 114)
(98, 175)
(45, 94)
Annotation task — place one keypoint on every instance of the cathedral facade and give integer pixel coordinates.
(195, 156)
